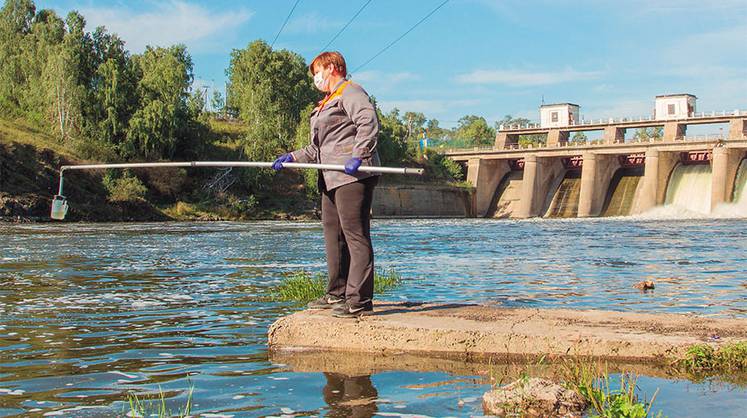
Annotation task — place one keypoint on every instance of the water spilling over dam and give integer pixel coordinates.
(689, 188)
(564, 202)
(623, 191)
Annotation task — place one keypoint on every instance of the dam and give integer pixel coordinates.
(612, 176)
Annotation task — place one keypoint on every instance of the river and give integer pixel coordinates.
(89, 312)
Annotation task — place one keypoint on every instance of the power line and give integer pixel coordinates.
(401, 36)
(284, 23)
(346, 25)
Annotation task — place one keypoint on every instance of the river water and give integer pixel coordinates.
(89, 312)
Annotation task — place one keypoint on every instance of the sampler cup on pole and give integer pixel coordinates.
(59, 207)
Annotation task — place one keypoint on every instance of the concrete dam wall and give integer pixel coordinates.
(422, 201)
(697, 182)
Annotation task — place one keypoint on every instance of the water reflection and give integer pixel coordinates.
(350, 396)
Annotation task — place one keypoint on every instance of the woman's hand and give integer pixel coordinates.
(278, 163)
(352, 165)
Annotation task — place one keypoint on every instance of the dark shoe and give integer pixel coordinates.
(326, 302)
(345, 310)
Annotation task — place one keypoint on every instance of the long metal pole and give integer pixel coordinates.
(332, 167)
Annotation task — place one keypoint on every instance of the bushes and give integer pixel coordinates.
(441, 167)
(125, 188)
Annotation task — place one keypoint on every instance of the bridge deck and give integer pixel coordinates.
(610, 149)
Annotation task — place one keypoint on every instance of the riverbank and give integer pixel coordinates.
(30, 160)
(468, 331)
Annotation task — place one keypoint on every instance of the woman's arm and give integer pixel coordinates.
(307, 154)
(361, 111)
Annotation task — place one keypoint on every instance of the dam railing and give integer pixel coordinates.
(595, 142)
(612, 121)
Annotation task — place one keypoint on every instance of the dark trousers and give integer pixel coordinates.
(346, 218)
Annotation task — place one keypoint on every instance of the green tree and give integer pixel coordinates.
(475, 130)
(579, 138)
(162, 119)
(434, 131)
(217, 103)
(269, 89)
(393, 144)
(16, 19)
(67, 77)
(114, 89)
(415, 123)
(524, 140)
(645, 134)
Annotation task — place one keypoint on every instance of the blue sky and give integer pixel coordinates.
(484, 57)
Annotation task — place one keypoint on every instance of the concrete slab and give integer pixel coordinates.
(470, 331)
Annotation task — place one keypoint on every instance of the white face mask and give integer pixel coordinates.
(319, 81)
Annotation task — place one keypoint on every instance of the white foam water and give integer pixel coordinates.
(690, 188)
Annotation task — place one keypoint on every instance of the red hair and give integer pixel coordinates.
(335, 58)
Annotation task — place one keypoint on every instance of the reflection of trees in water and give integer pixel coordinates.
(350, 396)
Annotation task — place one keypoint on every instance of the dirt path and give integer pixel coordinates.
(471, 330)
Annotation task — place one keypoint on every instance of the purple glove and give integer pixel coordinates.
(285, 158)
(351, 167)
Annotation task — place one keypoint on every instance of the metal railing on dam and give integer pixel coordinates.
(591, 124)
(463, 154)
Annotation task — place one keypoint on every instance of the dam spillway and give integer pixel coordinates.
(703, 178)
(739, 197)
(564, 203)
(689, 188)
(624, 188)
(507, 195)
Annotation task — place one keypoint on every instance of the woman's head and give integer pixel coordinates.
(327, 67)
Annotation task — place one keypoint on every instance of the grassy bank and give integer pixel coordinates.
(705, 359)
(29, 170)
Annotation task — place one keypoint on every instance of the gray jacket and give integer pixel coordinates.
(347, 127)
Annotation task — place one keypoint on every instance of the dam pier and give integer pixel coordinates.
(611, 176)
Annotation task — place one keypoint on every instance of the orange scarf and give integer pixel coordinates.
(334, 94)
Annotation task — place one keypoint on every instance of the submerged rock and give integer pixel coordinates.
(534, 398)
(645, 285)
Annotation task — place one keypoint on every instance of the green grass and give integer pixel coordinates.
(155, 405)
(704, 358)
(24, 133)
(303, 287)
(606, 400)
(224, 128)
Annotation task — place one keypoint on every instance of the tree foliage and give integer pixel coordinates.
(269, 89)
(524, 140)
(645, 134)
(475, 130)
(88, 90)
(162, 120)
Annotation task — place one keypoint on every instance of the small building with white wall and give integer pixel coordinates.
(674, 106)
(559, 115)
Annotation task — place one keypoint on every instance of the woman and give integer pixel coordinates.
(344, 129)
